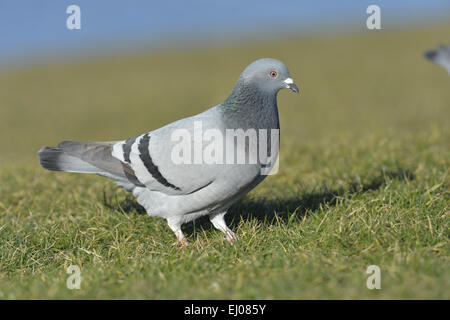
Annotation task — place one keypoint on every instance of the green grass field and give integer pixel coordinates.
(363, 179)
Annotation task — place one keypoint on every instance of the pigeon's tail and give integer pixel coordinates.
(82, 157)
(89, 157)
(56, 159)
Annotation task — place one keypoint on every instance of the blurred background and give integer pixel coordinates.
(136, 65)
(36, 30)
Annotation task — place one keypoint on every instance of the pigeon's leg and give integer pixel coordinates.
(175, 225)
(218, 222)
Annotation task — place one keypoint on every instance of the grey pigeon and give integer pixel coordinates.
(183, 191)
(440, 56)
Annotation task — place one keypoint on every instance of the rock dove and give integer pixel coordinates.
(148, 165)
(440, 56)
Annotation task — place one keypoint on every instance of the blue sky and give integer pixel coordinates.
(33, 30)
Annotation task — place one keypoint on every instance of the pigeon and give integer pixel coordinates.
(440, 56)
(182, 188)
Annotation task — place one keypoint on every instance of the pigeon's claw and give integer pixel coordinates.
(218, 222)
(183, 243)
(175, 225)
(231, 237)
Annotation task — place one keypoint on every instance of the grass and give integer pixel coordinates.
(363, 179)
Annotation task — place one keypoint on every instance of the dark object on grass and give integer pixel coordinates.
(440, 56)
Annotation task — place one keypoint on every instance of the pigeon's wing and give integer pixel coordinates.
(440, 56)
(158, 158)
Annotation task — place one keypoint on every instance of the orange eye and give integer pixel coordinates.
(273, 74)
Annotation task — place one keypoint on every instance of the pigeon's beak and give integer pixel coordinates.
(291, 85)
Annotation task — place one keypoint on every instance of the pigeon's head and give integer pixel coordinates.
(269, 75)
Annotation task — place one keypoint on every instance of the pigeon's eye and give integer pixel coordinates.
(273, 74)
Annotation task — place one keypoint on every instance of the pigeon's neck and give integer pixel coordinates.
(249, 107)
